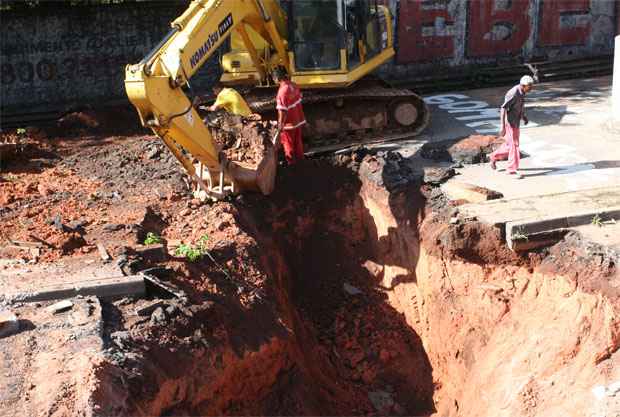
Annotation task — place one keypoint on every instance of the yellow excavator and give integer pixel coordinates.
(328, 47)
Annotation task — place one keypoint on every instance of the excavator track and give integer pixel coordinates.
(365, 113)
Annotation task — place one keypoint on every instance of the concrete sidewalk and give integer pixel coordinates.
(566, 147)
(535, 221)
(570, 163)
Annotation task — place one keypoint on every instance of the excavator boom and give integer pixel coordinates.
(156, 87)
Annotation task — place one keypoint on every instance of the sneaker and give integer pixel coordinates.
(493, 166)
(515, 175)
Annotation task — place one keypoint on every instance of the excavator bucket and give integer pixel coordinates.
(235, 177)
(262, 178)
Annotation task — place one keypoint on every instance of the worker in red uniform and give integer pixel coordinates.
(290, 116)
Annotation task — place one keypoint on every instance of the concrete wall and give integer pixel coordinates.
(53, 57)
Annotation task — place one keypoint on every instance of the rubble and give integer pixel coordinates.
(470, 150)
(148, 309)
(60, 307)
(9, 324)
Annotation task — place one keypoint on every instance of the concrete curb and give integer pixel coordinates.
(112, 287)
(534, 233)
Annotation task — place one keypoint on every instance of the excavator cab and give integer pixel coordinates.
(320, 30)
(331, 43)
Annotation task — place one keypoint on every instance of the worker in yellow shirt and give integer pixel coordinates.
(230, 100)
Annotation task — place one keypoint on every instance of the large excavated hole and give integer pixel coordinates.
(333, 259)
(335, 346)
(368, 308)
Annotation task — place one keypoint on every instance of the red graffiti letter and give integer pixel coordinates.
(559, 23)
(425, 31)
(494, 29)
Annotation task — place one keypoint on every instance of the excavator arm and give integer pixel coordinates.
(155, 86)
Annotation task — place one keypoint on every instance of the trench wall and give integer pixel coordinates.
(56, 57)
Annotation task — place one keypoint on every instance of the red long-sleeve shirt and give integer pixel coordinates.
(289, 100)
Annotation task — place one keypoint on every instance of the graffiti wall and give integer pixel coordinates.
(452, 33)
(55, 57)
(58, 57)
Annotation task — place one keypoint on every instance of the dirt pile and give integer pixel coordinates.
(242, 139)
(80, 191)
(470, 150)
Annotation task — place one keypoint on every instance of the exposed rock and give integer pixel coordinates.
(158, 316)
(60, 307)
(113, 227)
(148, 309)
(9, 324)
(381, 400)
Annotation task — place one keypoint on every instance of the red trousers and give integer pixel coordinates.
(293, 145)
(510, 149)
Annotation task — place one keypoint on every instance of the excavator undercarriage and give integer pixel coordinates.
(368, 111)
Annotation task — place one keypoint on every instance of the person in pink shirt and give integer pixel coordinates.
(511, 114)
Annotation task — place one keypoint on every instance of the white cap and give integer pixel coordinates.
(527, 80)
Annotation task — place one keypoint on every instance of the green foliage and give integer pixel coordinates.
(191, 253)
(202, 242)
(152, 239)
(9, 177)
(597, 220)
(21, 131)
(519, 234)
(194, 253)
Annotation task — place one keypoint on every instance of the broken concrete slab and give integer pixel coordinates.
(60, 307)
(535, 221)
(25, 244)
(111, 287)
(605, 200)
(103, 252)
(158, 316)
(438, 174)
(536, 241)
(469, 150)
(155, 253)
(535, 233)
(470, 193)
(149, 308)
(9, 324)
(161, 285)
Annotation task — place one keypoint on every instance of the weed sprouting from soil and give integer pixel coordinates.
(152, 239)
